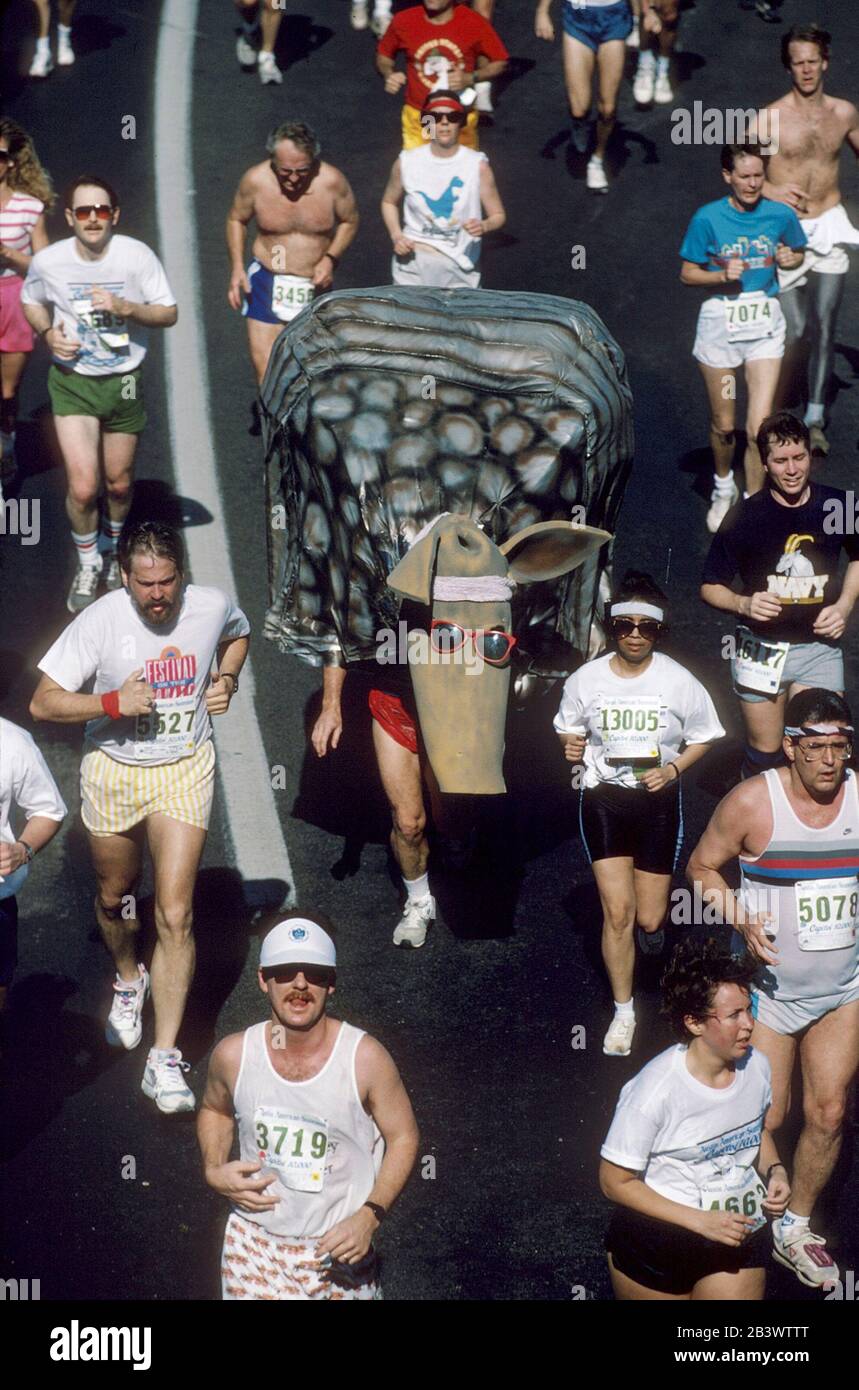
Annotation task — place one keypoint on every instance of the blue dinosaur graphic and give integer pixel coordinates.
(443, 206)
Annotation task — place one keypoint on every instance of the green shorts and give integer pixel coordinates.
(115, 400)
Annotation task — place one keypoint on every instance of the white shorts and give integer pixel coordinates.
(426, 266)
(712, 348)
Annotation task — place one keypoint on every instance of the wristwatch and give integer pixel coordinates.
(28, 850)
(233, 677)
(379, 1212)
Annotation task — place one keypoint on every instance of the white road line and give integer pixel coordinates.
(258, 844)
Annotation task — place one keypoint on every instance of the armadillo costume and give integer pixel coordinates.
(385, 409)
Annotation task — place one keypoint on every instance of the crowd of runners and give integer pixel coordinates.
(326, 1134)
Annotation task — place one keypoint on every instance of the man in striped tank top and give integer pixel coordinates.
(327, 1137)
(795, 831)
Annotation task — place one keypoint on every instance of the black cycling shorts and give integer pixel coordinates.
(631, 822)
(8, 939)
(669, 1259)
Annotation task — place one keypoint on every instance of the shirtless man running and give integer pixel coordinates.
(803, 172)
(306, 217)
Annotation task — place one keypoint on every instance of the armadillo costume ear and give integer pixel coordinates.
(413, 576)
(550, 549)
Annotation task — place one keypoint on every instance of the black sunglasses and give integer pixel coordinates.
(649, 628)
(314, 974)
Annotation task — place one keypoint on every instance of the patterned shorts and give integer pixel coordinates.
(116, 796)
(258, 1265)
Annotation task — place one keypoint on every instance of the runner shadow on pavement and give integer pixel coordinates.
(50, 1054)
(298, 38)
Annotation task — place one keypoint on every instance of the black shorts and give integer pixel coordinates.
(669, 1259)
(8, 939)
(630, 822)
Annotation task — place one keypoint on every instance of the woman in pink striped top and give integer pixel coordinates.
(25, 193)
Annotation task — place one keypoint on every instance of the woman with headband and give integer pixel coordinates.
(626, 716)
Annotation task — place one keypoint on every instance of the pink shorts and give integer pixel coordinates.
(16, 335)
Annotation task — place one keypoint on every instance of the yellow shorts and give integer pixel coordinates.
(413, 136)
(116, 796)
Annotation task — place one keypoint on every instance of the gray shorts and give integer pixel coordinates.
(790, 1016)
(808, 663)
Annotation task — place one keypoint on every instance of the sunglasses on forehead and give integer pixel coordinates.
(103, 211)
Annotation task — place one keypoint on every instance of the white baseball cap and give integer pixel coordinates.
(297, 941)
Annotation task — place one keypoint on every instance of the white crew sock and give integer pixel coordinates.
(108, 536)
(626, 1010)
(813, 414)
(43, 45)
(790, 1220)
(662, 66)
(64, 31)
(724, 486)
(86, 545)
(646, 59)
(417, 888)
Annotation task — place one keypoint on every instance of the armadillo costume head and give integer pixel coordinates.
(468, 581)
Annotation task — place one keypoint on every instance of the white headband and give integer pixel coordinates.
(484, 588)
(628, 610)
(808, 729)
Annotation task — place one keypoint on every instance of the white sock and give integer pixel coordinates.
(790, 1218)
(159, 1054)
(662, 66)
(813, 414)
(645, 60)
(723, 485)
(626, 1010)
(86, 545)
(596, 159)
(43, 45)
(64, 31)
(417, 887)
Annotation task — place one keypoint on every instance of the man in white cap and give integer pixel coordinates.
(327, 1136)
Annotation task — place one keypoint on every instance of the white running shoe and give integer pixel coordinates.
(416, 918)
(804, 1252)
(720, 504)
(618, 1040)
(662, 92)
(65, 52)
(380, 21)
(83, 588)
(484, 97)
(268, 70)
(358, 16)
(595, 175)
(245, 52)
(124, 1027)
(634, 39)
(42, 64)
(164, 1083)
(643, 86)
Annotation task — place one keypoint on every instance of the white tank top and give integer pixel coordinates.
(315, 1136)
(441, 194)
(809, 879)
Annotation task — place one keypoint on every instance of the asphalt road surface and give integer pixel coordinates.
(481, 1022)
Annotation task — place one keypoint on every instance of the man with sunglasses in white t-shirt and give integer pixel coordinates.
(93, 298)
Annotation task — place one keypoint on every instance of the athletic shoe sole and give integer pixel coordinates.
(831, 1275)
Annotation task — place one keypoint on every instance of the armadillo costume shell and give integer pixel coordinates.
(384, 408)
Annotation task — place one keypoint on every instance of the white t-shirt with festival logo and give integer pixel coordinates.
(682, 1136)
(59, 277)
(109, 640)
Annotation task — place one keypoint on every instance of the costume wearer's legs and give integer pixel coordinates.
(400, 771)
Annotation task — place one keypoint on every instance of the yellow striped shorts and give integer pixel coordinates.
(116, 796)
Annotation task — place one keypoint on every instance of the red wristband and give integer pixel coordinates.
(110, 703)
